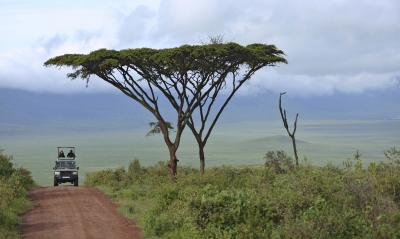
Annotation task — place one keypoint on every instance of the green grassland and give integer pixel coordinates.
(243, 143)
(331, 194)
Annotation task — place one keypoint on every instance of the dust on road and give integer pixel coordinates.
(75, 212)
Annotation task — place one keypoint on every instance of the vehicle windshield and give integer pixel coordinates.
(65, 164)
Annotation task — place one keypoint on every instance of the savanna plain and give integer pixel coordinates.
(251, 188)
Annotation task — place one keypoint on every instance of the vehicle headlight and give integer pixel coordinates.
(57, 173)
(75, 173)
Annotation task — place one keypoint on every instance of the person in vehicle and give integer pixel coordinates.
(61, 154)
(71, 154)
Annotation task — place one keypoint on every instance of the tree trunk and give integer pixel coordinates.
(295, 150)
(202, 159)
(173, 163)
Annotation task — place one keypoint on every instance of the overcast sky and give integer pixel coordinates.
(332, 46)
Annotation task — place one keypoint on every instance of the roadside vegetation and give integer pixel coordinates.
(14, 185)
(277, 200)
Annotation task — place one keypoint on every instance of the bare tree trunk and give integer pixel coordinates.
(173, 163)
(172, 148)
(202, 159)
(201, 144)
(286, 125)
(296, 157)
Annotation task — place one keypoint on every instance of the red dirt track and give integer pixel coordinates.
(75, 212)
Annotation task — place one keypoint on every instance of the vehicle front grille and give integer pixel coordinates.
(65, 173)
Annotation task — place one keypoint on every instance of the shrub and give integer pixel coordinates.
(6, 166)
(275, 201)
(278, 161)
(393, 155)
(14, 184)
(134, 170)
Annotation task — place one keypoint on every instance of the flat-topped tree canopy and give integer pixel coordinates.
(189, 71)
(186, 76)
(168, 61)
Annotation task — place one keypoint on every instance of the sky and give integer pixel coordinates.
(336, 46)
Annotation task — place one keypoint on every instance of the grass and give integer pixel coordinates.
(275, 201)
(243, 143)
(14, 185)
(133, 209)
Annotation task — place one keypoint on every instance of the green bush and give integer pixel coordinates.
(134, 170)
(14, 185)
(6, 165)
(393, 155)
(276, 201)
(278, 161)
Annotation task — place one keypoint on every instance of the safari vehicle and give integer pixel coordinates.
(65, 169)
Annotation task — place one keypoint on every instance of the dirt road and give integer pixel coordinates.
(75, 212)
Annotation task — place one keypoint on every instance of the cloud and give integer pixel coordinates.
(23, 68)
(309, 85)
(332, 46)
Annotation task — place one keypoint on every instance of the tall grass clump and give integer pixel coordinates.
(14, 185)
(276, 200)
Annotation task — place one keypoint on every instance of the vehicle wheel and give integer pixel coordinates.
(76, 183)
(55, 183)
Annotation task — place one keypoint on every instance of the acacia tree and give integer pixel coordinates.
(222, 86)
(184, 77)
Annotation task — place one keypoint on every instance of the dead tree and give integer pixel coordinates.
(286, 125)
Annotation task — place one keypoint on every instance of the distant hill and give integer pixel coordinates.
(23, 111)
(29, 111)
(277, 139)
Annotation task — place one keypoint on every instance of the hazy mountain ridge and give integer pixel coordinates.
(22, 111)
(276, 139)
